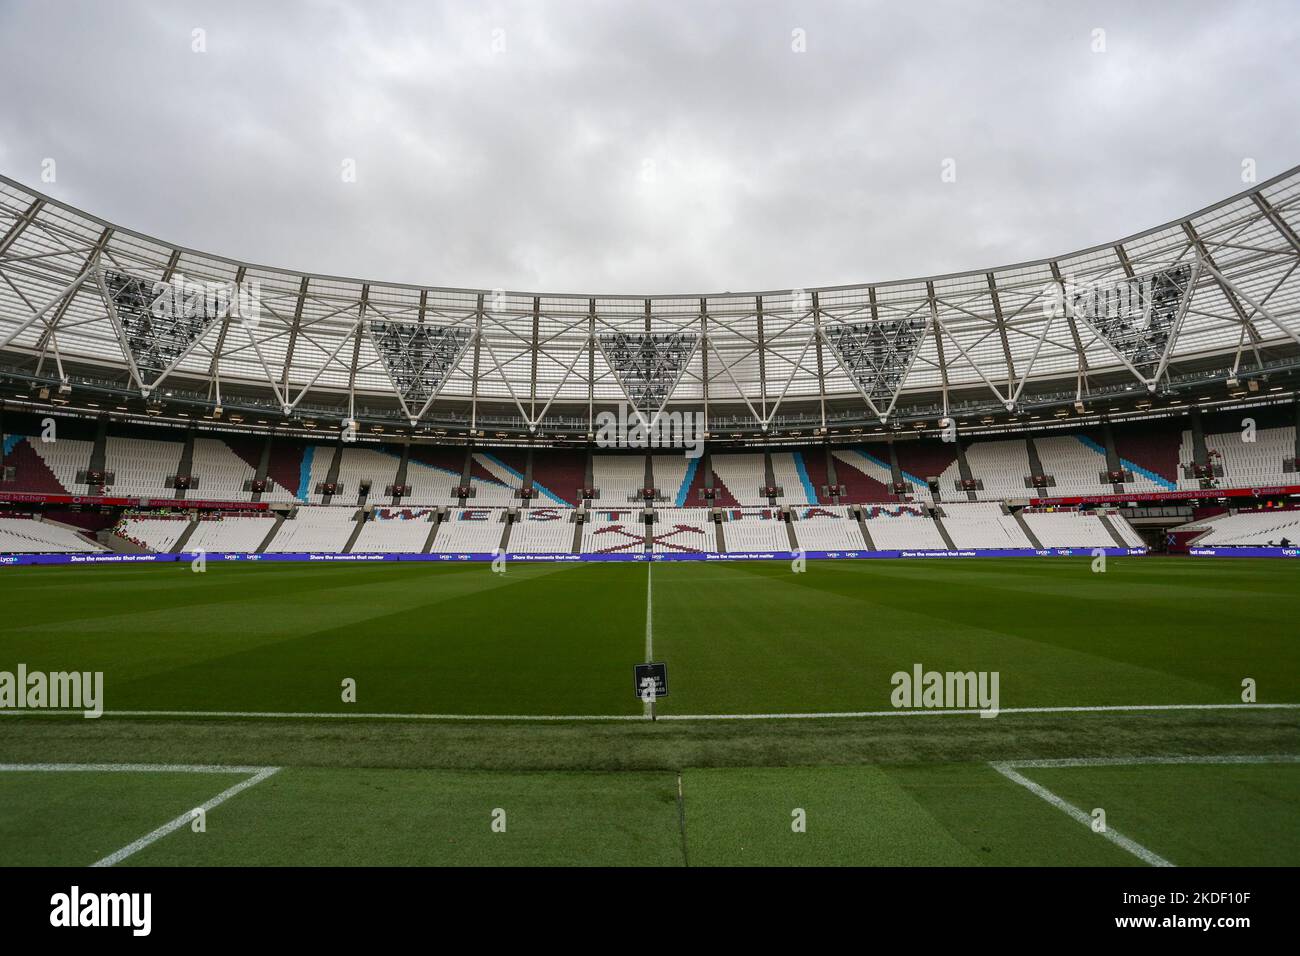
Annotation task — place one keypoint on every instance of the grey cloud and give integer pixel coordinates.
(620, 147)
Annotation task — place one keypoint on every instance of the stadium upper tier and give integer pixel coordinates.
(88, 304)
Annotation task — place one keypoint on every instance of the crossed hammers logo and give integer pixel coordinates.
(635, 540)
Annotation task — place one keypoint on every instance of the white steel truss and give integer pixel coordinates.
(1217, 289)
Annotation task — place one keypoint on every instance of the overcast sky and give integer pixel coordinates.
(645, 147)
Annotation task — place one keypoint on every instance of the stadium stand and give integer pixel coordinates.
(497, 476)
(922, 459)
(230, 533)
(395, 530)
(558, 475)
(865, 475)
(357, 466)
(1002, 466)
(672, 476)
(1151, 452)
(743, 475)
(219, 473)
(619, 478)
(31, 473)
(1124, 529)
(1186, 459)
(65, 458)
(1068, 528)
(318, 529)
(813, 462)
(691, 491)
(155, 532)
(141, 466)
(27, 535)
(683, 530)
(610, 530)
(1076, 462)
(288, 472)
(1247, 464)
(543, 531)
(754, 529)
(827, 528)
(316, 463)
(902, 527)
(1247, 529)
(1156, 455)
(791, 476)
(470, 531)
(981, 525)
(434, 474)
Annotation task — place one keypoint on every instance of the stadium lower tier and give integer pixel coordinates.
(326, 529)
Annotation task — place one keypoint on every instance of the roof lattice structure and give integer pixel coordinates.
(80, 296)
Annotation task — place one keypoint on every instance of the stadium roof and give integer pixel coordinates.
(88, 302)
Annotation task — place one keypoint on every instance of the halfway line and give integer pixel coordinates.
(648, 706)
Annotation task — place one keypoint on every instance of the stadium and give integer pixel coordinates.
(611, 438)
(334, 544)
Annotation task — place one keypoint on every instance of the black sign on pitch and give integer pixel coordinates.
(657, 672)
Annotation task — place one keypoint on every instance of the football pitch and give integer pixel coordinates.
(495, 721)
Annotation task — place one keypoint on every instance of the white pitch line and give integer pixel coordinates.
(327, 715)
(904, 712)
(1066, 762)
(1115, 837)
(829, 715)
(123, 768)
(137, 845)
(649, 613)
(647, 706)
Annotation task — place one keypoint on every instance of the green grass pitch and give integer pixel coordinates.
(740, 639)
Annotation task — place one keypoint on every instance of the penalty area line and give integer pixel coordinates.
(125, 768)
(1010, 768)
(135, 846)
(1067, 762)
(828, 715)
(1070, 810)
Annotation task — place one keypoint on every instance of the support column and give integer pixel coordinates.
(293, 338)
(821, 369)
(704, 359)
